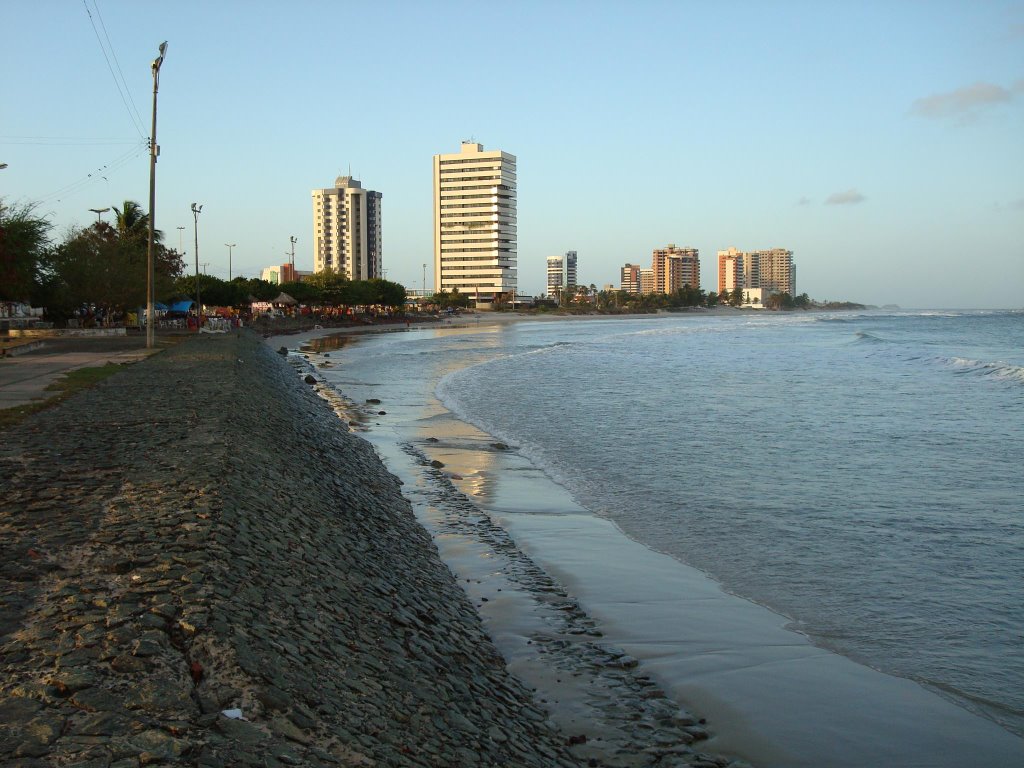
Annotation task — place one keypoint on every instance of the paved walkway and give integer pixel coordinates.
(24, 378)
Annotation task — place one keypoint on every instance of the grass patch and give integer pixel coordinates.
(72, 382)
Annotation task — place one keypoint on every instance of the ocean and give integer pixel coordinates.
(858, 474)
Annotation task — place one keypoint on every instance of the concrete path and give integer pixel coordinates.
(24, 378)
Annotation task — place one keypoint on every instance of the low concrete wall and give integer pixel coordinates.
(56, 332)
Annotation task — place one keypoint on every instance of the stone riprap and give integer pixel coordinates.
(199, 565)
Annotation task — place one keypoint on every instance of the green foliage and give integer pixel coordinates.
(24, 251)
(389, 294)
(453, 300)
(107, 267)
(302, 292)
(259, 289)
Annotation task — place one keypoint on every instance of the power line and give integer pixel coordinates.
(68, 141)
(136, 122)
(100, 173)
(114, 54)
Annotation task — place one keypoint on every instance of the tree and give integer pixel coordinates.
(98, 266)
(331, 285)
(133, 223)
(389, 294)
(302, 292)
(24, 251)
(447, 300)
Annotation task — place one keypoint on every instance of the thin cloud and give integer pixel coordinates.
(963, 102)
(803, 201)
(849, 197)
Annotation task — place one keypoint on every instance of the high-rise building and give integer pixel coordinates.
(675, 267)
(777, 271)
(629, 278)
(475, 223)
(730, 270)
(646, 281)
(347, 230)
(773, 270)
(561, 273)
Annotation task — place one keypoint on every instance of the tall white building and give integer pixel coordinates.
(475, 223)
(347, 230)
(561, 273)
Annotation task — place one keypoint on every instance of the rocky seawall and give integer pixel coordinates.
(199, 566)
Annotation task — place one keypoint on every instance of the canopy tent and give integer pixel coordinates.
(183, 306)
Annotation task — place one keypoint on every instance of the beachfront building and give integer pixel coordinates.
(646, 280)
(675, 267)
(561, 273)
(629, 278)
(475, 223)
(730, 270)
(347, 230)
(771, 269)
(777, 271)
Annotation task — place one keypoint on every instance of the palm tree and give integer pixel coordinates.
(133, 223)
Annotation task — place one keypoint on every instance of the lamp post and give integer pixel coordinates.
(424, 280)
(230, 247)
(180, 230)
(196, 209)
(292, 262)
(154, 150)
(99, 213)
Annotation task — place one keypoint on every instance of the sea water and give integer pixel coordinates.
(861, 474)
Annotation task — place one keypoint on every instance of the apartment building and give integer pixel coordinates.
(777, 271)
(730, 270)
(675, 267)
(347, 230)
(561, 273)
(772, 270)
(629, 278)
(475, 223)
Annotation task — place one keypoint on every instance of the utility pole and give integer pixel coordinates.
(196, 210)
(292, 262)
(154, 150)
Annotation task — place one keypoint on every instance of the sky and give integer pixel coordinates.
(881, 142)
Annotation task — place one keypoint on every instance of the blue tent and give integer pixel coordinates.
(182, 306)
(160, 306)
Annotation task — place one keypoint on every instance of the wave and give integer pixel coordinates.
(863, 337)
(999, 370)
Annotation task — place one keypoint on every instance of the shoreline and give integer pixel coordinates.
(565, 565)
(189, 576)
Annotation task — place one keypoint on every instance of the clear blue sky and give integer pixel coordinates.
(882, 142)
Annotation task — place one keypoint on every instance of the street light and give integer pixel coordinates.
(154, 150)
(230, 247)
(180, 230)
(99, 213)
(196, 209)
(292, 262)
